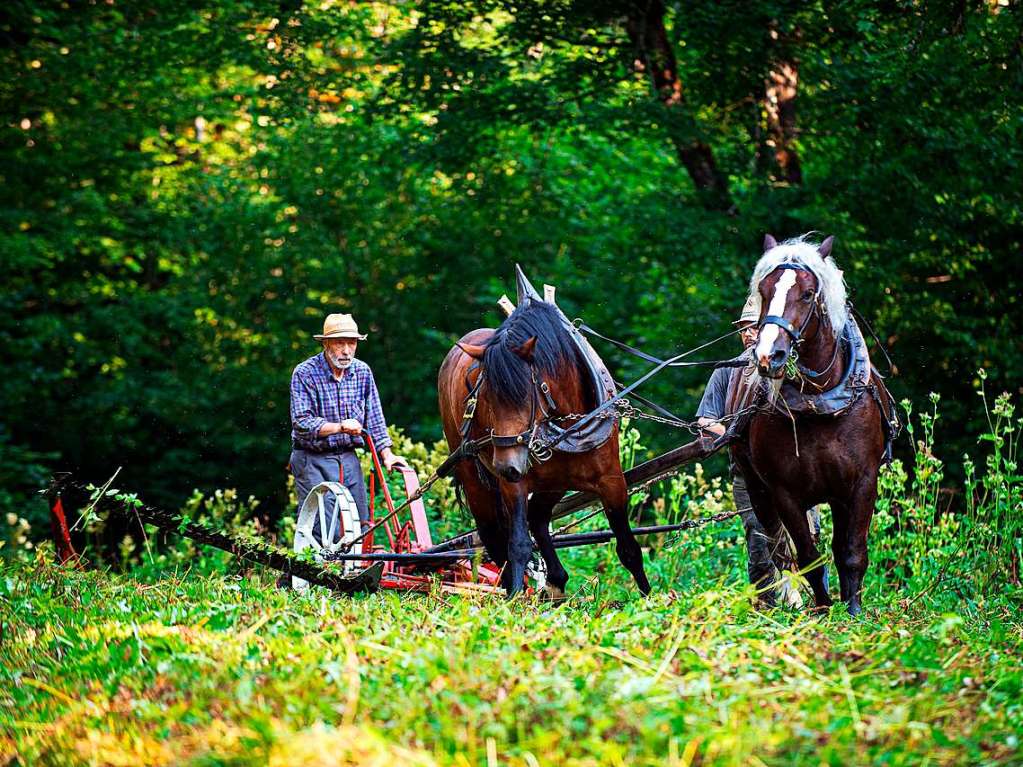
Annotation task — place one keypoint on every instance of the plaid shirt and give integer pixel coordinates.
(317, 397)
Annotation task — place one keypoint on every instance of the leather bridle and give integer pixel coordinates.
(541, 400)
(796, 334)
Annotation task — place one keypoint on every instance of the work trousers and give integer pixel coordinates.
(310, 469)
(768, 554)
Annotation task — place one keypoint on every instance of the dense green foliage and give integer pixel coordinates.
(188, 188)
(184, 659)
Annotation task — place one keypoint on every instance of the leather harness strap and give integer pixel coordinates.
(784, 324)
(471, 447)
(796, 334)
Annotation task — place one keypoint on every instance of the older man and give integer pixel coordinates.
(334, 400)
(763, 551)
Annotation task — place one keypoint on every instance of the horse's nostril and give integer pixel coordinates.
(778, 356)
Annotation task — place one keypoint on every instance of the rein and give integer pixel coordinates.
(817, 374)
(660, 365)
(541, 451)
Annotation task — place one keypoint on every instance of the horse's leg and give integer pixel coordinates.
(839, 536)
(615, 496)
(794, 518)
(485, 504)
(494, 541)
(540, 507)
(851, 517)
(520, 547)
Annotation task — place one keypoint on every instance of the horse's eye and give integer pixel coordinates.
(807, 295)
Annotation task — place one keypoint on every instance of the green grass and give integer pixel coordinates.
(106, 669)
(210, 665)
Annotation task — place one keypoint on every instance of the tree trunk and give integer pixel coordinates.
(780, 107)
(655, 56)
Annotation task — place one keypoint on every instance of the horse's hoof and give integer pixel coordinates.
(854, 609)
(551, 593)
(764, 605)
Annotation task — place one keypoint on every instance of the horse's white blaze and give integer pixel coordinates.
(801, 252)
(769, 334)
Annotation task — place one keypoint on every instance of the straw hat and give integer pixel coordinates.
(750, 311)
(339, 326)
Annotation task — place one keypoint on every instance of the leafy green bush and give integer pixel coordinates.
(994, 500)
(447, 517)
(23, 472)
(924, 541)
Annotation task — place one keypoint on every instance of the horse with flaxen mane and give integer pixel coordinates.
(824, 421)
(511, 391)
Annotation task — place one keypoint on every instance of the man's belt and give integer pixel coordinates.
(325, 451)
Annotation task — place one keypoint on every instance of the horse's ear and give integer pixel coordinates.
(769, 242)
(473, 350)
(526, 348)
(825, 247)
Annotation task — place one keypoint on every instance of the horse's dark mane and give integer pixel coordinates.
(508, 378)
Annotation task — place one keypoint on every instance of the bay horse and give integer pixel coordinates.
(817, 439)
(527, 373)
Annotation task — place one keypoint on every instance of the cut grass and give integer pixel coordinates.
(108, 669)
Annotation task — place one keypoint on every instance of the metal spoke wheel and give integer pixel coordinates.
(328, 520)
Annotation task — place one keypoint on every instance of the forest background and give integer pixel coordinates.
(188, 188)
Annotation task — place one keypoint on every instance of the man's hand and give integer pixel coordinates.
(391, 460)
(350, 426)
(347, 426)
(710, 430)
